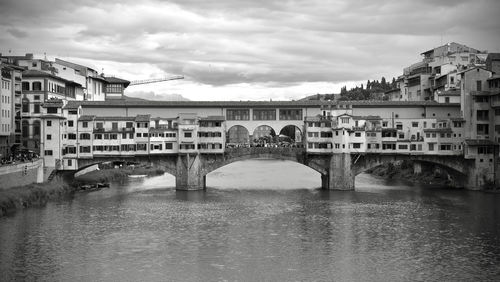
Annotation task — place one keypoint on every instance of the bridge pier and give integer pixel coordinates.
(339, 175)
(189, 174)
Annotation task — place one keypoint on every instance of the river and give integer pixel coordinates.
(259, 220)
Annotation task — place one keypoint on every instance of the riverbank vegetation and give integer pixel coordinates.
(36, 194)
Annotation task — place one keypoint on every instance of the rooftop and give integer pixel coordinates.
(112, 79)
(119, 103)
(480, 142)
(37, 73)
(213, 118)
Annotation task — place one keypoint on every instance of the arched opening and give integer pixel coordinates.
(123, 172)
(409, 172)
(264, 135)
(291, 135)
(265, 174)
(237, 135)
(25, 105)
(25, 129)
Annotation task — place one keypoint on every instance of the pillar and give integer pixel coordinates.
(39, 172)
(189, 173)
(340, 175)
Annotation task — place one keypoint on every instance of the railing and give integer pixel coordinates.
(265, 150)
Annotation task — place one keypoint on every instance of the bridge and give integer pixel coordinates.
(337, 170)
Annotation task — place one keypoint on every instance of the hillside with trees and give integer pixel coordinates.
(373, 90)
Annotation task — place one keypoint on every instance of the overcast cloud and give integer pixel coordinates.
(245, 50)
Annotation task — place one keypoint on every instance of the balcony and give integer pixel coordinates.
(128, 129)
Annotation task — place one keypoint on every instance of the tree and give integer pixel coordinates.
(382, 81)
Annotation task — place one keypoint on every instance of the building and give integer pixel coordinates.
(10, 105)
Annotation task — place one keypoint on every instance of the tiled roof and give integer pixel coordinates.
(71, 105)
(200, 104)
(140, 118)
(86, 118)
(480, 142)
(52, 117)
(114, 118)
(318, 118)
(366, 117)
(57, 103)
(213, 118)
(112, 79)
(379, 103)
(446, 130)
(37, 73)
(118, 103)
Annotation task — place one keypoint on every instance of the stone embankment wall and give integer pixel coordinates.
(21, 174)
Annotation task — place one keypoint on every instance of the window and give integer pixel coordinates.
(399, 126)
(85, 136)
(48, 152)
(264, 114)
(70, 123)
(52, 110)
(49, 123)
(478, 85)
(483, 150)
(233, 114)
(114, 125)
(49, 137)
(26, 105)
(445, 147)
(98, 136)
(26, 86)
(99, 125)
(37, 86)
(497, 112)
(138, 135)
(188, 134)
(85, 124)
(114, 88)
(483, 129)
(384, 124)
(414, 124)
(72, 136)
(357, 134)
(482, 115)
(447, 99)
(290, 114)
(344, 120)
(169, 146)
(129, 124)
(84, 149)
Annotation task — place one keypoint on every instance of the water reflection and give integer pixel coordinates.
(144, 230)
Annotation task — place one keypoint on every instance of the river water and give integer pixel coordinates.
(259, 220)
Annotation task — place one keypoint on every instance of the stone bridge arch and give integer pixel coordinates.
(213, 162)
(167, 163)
(456, 165)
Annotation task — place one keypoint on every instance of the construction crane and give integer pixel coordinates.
(154, 80)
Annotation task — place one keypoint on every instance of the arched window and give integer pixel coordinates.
(36, 129)
(26, 105)
(25, 129)
(37, 86)
(26, 86)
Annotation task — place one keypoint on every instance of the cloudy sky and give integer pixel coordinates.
(242, 50)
